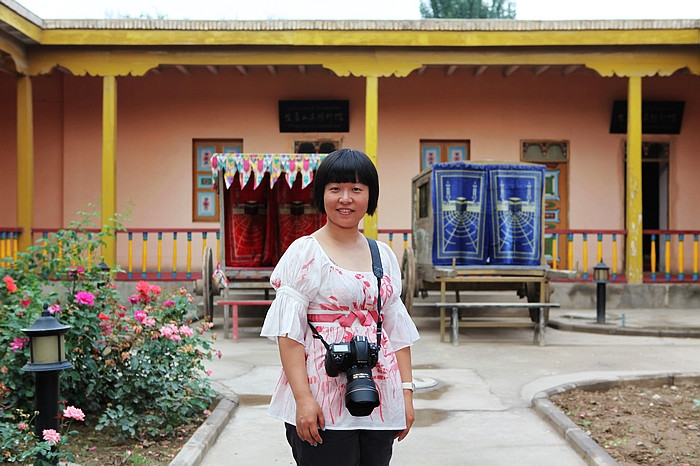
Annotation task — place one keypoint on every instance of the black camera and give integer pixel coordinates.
(356, 358)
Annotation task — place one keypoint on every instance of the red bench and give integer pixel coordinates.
(232, 308)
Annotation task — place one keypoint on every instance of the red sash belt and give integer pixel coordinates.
(366, 318)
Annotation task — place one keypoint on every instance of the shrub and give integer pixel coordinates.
(137, 363)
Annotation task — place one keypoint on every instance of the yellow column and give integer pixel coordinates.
(109, 149)
(25, 161)
(371, 116)
(634, 250)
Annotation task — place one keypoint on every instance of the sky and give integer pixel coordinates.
(348, 9)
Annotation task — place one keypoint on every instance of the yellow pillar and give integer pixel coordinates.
(371, 116)
(634, 250)
(109, 149)
(25, 161)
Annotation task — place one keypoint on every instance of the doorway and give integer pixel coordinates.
(555, 156)
(655, 166)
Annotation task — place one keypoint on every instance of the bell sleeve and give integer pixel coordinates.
(296, 280)
(397, 323)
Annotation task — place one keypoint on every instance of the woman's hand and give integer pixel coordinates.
(309, 414)
(310, 420)
(410, 414)
(403, 357)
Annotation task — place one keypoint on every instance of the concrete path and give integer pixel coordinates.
(476, 408)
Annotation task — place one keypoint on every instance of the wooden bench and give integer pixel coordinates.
(231, 306)
(456, 323)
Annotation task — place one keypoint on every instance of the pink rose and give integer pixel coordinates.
(74, 413)
(51, 436)
(18, 343)
(83, 297)
(140, 315)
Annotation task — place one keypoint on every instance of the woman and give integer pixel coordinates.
(326, 280)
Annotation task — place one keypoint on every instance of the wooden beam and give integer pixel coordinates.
(183, 69)
(242, 69)
(109, 165)
(541, 69)
(213, 69)
(510, 70)
(25, 161)
(570, 69)
(371, 141)
(450, 69)
(479, 70)
(633, 198)
(272, 69)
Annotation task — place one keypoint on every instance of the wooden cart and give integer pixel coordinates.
(530, 283)
(265, 203)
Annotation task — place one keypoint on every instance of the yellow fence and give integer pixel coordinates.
(176, 253)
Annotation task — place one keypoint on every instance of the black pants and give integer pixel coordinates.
(343, 448)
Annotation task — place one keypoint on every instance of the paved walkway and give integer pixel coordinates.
(479, 410)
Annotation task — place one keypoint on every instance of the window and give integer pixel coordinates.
(320, 146)
(544, 151)
(205, 201)
(439, 151)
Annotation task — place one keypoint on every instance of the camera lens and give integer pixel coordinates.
(361, 395)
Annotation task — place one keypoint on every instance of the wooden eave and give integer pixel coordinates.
(300, 34)
(360, 48)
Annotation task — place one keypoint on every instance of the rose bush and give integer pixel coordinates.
(20, 444)
(137, 362)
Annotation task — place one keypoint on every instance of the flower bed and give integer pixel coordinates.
(137, 363)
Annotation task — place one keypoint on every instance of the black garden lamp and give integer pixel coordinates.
(104, 274)
(47, 359)
(601, 275)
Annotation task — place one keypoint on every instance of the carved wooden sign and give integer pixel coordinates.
(658, 117)
(314, 116)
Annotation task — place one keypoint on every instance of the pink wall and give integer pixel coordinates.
(159, 115)
(8, 150)
(684, 189)
(49, 178)
(496, 112)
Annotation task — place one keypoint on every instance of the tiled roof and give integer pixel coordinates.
(369, 25)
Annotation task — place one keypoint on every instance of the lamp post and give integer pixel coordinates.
(601, 274)
(47, 360)
(104, 274)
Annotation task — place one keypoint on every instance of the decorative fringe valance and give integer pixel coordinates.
(259, 164)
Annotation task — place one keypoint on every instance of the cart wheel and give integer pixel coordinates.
(408, 278)
(208, 291)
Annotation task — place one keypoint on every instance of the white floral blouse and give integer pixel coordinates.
(340, 304)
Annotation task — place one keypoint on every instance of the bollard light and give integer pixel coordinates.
(46, 344)
(104, 274)
(601, 275)
(601, 272)
(47, 359)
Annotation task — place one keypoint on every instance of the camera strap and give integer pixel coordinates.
(379, 273)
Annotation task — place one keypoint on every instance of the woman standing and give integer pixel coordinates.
(325, 280)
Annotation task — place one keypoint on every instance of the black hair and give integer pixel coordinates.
(347, 166)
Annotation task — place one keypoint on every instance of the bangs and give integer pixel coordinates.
(349, 170)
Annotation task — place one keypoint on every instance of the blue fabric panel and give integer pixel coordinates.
(460, 230)
(514, 214)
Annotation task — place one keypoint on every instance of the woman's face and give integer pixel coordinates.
(346, 203)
